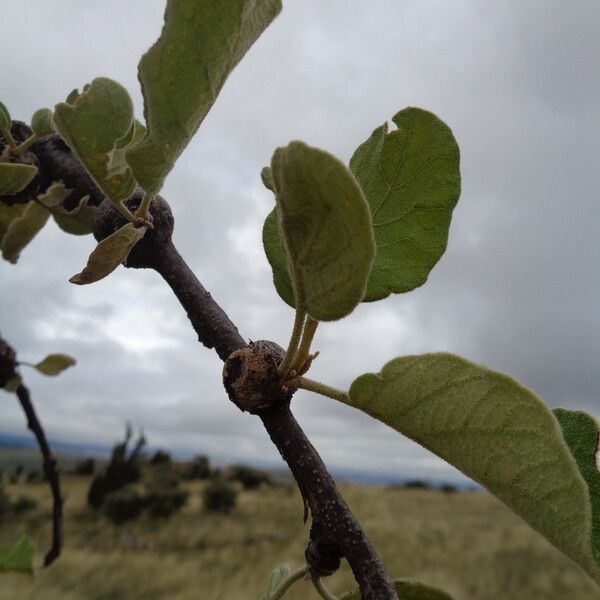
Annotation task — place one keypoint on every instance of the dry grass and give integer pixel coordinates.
(467, 543)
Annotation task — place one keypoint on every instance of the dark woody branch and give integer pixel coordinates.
(252, 382)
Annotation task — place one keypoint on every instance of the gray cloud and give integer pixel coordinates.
(517, 289)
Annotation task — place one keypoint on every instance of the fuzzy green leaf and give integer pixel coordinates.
(183, 72)
(93, 125)
(15, 177)
(5, 120)
(25, 227)
(408, 589)
(582, 435)
(54, 364)
(271, 237)
(277, 576)
(19, 557)
(41, 122)
(7, 215)
(79, 221)
(109, 254)
(411, 179)
(326, 227)
(12, 384)
(495, 431)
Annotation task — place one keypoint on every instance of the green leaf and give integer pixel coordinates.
(41, 122)
(7, 215)
(326, 227)
(411, 179)
(183, 72)
(19, 557)
(15, 177)
(5, 120)
(582, 435)
(79, 221)
(109, 254)
(275, 252)
(408, 589)
(54, 364)
(25, 227)
(267, 179)
(277, 576)
(12, 384)
(94, 125)
(495, 431)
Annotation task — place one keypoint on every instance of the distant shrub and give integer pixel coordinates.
(249, 478)
(448, 488)
(124, 468)
(34, 477)
(123, 505)
(160, 457)
(16, 475)
(4, 500)
(163, 505)
(163, 496)
(23, 504)
(417, 484)
(199, 468)
(85, 467)
(219, 496)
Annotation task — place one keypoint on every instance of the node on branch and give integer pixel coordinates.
(251, 378)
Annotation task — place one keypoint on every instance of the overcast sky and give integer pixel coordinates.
(518, 288)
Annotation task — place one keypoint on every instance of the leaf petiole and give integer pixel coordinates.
(286, 584)
(142, 211)
(320, 388)
(292, 349)
(310, 328)
(18, 150)
(323, 591)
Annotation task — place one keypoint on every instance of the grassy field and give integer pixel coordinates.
(467, 543)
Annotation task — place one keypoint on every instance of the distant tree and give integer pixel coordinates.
(85, 467)
(219, 496)
(199, 468)
(124, 468)
(160, 457)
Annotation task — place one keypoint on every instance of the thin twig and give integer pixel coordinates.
(50, 471)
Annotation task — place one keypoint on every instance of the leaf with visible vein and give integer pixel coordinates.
(411, 179)
(24, 228)
(582, 435)
(19, 557)
(109, 254)
(94, 125)
(15, 177)
(495, 431)
(275, 252)
(408, 589)
(326, 227)
(183, 72)
(54, 364)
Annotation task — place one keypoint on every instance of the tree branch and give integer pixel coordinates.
(335, 532)
(50, 471)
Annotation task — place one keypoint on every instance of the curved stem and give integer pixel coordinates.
(289, 582)
(320, 388)
(25, 145)
(323, 591)
(142, 211)
(50, 471)
(292, 348)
